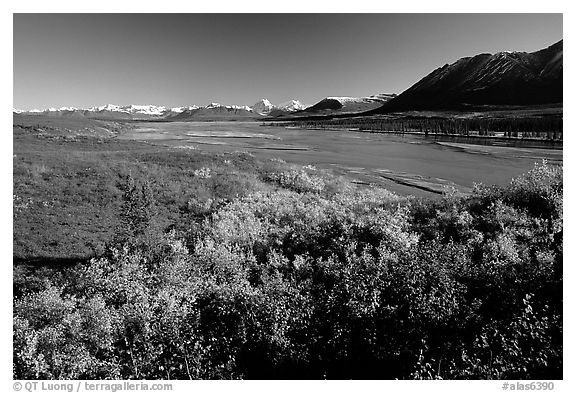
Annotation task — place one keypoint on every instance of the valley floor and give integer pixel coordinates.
(134, 260)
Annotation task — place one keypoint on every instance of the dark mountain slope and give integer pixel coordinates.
(506, 78)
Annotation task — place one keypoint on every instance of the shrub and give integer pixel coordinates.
(304, 283)
(137, 209)
(539, 191)
(298, 180)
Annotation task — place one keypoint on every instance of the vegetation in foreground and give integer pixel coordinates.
(276, 271)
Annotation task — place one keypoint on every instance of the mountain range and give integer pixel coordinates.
(215, 111)
(501, 79)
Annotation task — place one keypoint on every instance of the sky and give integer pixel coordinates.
(85, 60)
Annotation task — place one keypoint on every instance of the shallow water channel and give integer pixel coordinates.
(409, 164)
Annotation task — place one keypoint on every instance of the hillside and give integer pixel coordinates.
(67, 127)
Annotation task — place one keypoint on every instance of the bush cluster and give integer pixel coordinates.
(304, 283)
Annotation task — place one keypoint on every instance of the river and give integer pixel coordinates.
(408, 165)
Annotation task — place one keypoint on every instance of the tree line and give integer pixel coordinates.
(548, 128)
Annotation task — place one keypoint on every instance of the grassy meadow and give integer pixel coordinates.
(137, 261)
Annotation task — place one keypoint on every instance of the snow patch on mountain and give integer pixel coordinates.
(216, 105)
(151, 110)
(292, 106)
(180, 109)
(345, 99)
(107, 107)
(146, 109)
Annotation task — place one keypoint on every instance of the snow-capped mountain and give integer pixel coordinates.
(180, 109)
(151, 110)
(146, 110)
(109, 111)
(292, 106)
(62, 109)
(107, 107)
(263, 107)
(215, 105)
(212, 111)
(341, 105)
(30, 112)
(216, 111)
(266, 108)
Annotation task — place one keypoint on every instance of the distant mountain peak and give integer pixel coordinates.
(263, 107)
(107, 107)
(291, 106)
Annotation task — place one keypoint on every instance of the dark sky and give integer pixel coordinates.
(84, 60)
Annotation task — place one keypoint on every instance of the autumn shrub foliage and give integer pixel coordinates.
(303, 282)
